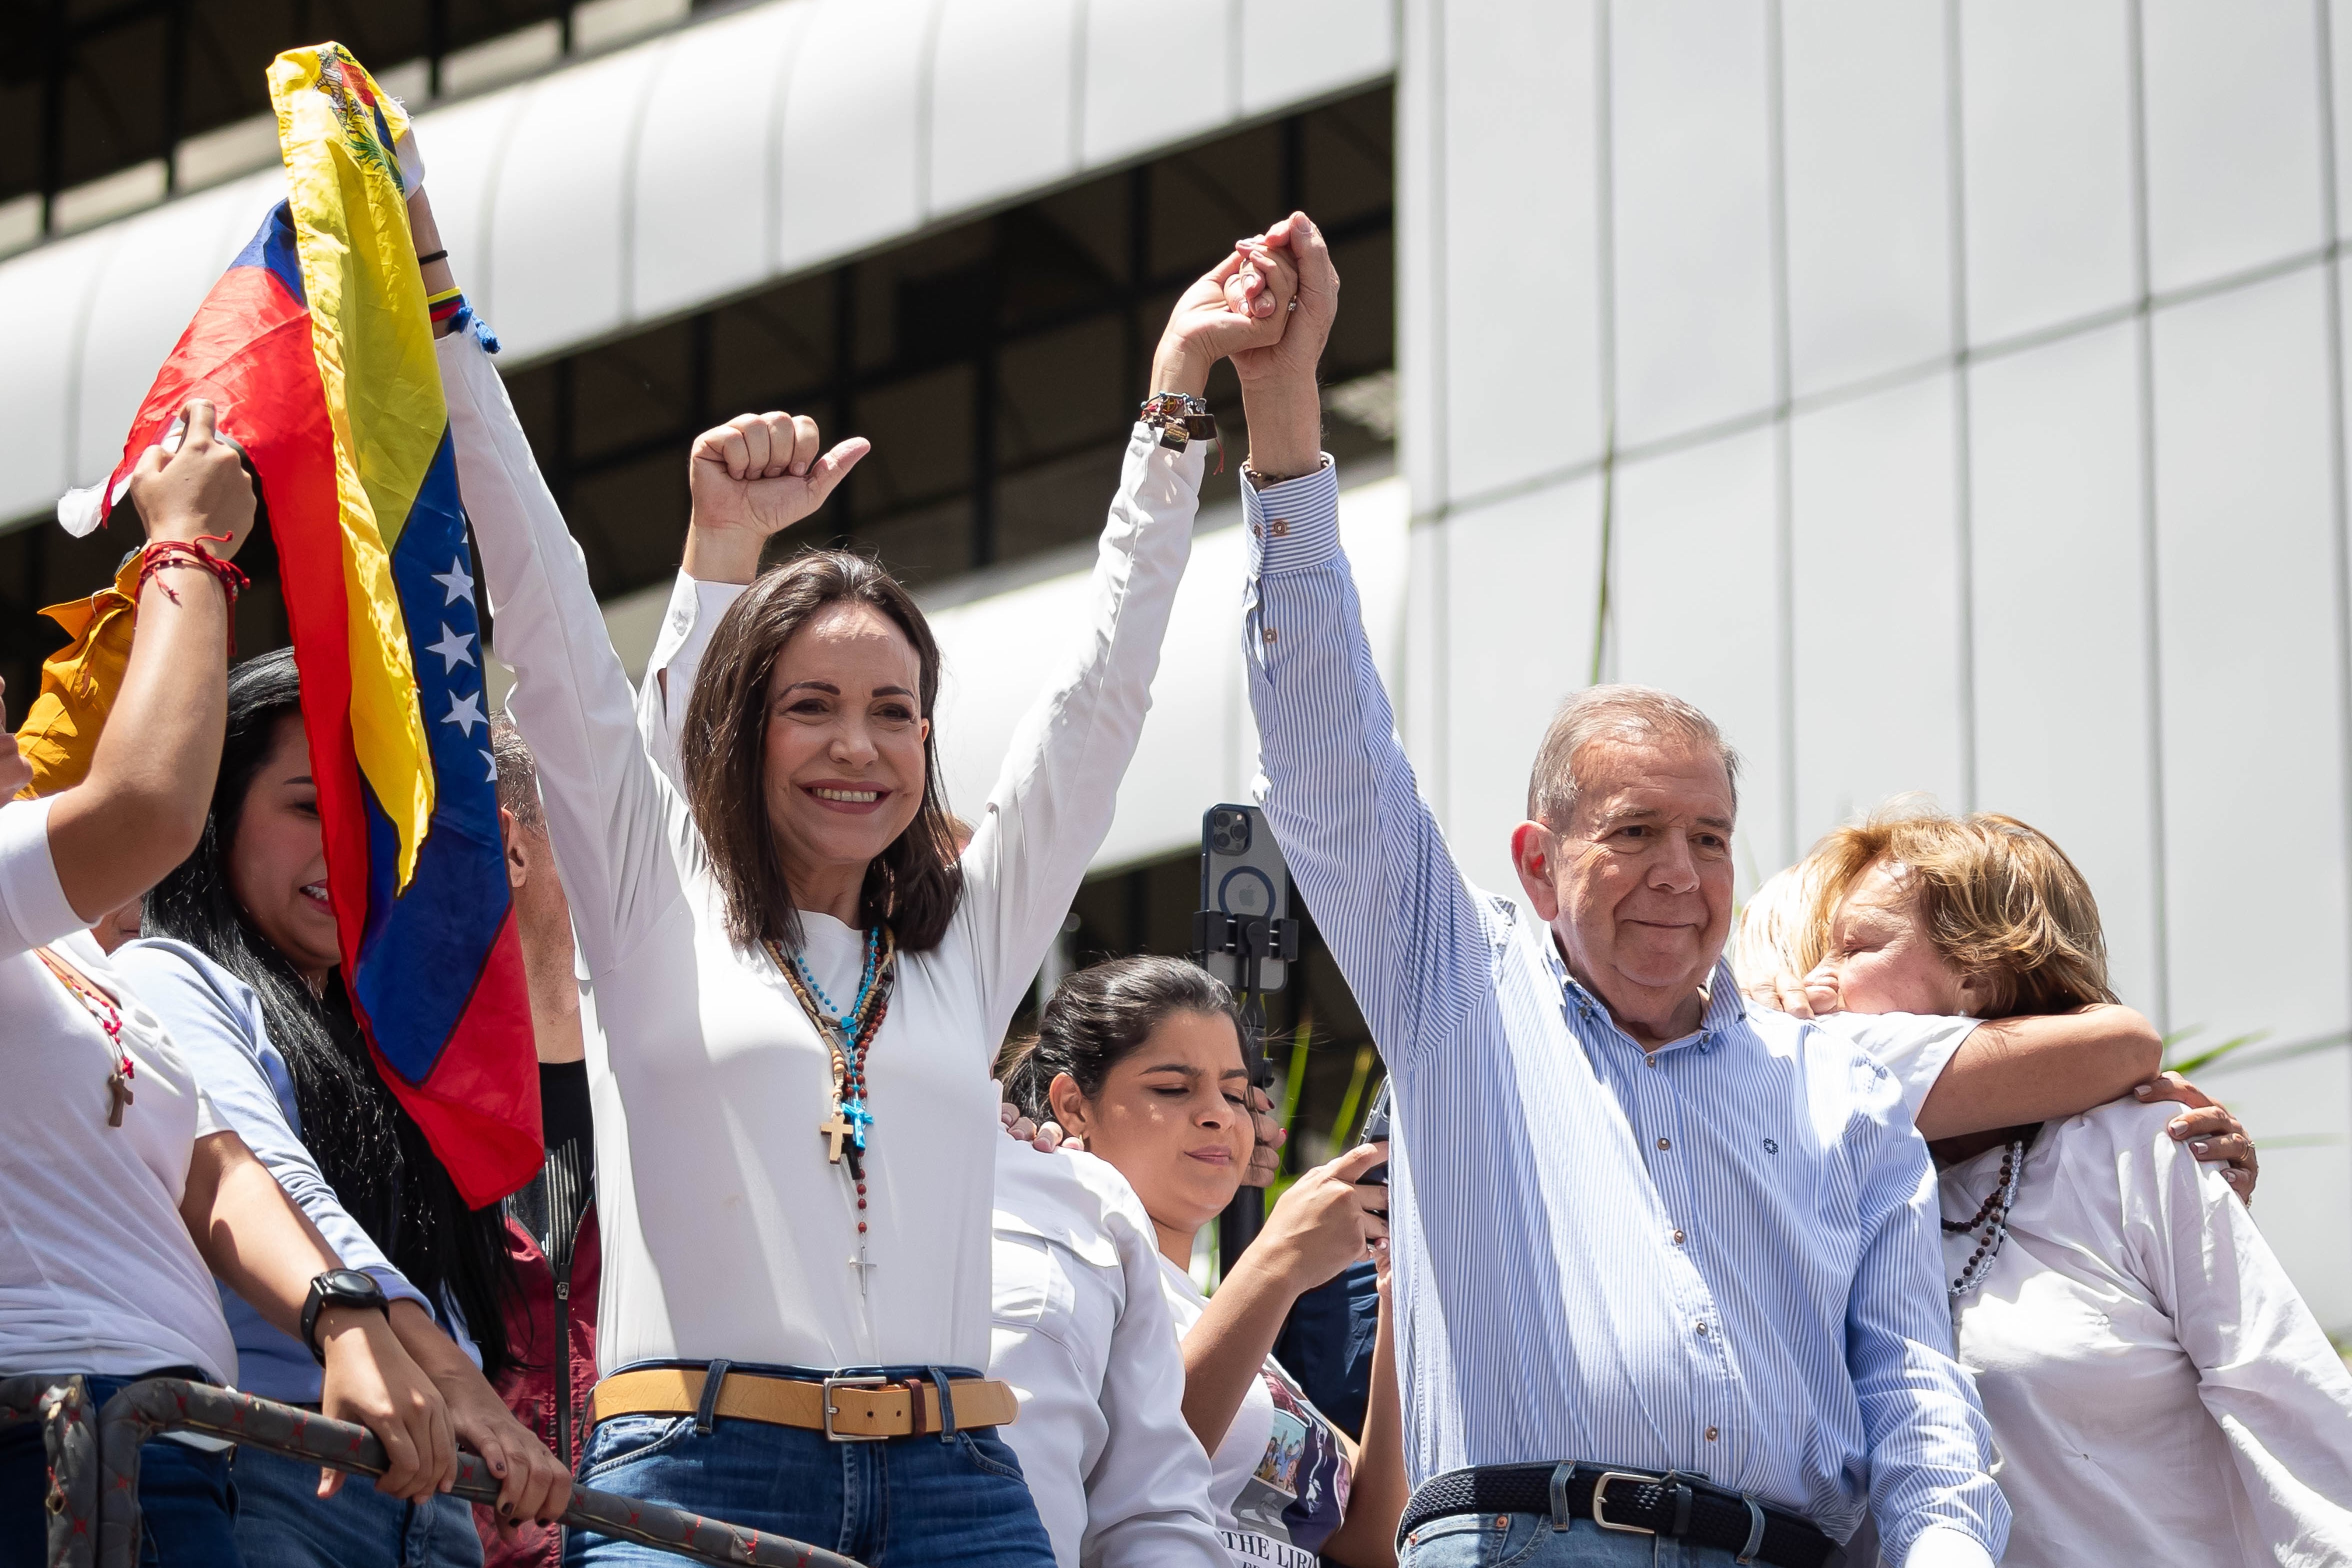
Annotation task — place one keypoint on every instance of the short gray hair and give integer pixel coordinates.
(1624, 713)
(518, 774)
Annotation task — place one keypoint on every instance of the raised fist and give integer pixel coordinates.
(760, 472)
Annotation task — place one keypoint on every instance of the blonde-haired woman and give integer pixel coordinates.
(2158, 1390)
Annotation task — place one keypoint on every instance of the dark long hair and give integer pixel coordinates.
(914, 883)
(369, 1148)
(1100, 1015)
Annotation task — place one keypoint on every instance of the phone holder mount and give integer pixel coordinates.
(1253, 939)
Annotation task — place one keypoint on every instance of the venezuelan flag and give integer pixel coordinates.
(316, 349)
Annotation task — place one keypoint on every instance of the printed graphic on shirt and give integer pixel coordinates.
(1291, 1504)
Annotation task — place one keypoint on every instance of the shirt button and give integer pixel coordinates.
(1653, 1062)
(1665, 1143)
(1712, 1434)
(1269, 634)
(1702, 1330)
(1678, 1238)
(1281, 527)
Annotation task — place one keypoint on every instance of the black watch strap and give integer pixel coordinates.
(339, 1288)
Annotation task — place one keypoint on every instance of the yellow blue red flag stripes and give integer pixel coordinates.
(316, 348)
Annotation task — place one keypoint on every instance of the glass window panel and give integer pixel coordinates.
(1693, 266)
(1866, 113)
(1518, 92)
(636, 390)
(1694, 608)
(2232, 137)
(2062, 673)
(2046, 106)
(1877, 561)
(773, 347)
(630, 521)
(2246, 575)
(1521, 584)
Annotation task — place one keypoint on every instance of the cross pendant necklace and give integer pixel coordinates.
(864, 1269)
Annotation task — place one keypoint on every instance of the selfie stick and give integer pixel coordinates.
(1251, 938)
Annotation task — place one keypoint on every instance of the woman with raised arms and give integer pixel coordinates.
(803, 985)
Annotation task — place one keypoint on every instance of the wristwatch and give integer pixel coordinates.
(339, 1288)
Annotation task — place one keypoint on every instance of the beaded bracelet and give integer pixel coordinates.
(165, 555)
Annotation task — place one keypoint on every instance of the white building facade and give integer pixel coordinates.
(1947, 397)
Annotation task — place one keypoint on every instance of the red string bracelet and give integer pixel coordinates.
(163, 555)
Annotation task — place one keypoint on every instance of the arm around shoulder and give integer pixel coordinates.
(2010, 1072)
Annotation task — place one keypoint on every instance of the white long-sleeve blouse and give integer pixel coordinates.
(727, 1231)
(1083, 1334)
(2158, 1391)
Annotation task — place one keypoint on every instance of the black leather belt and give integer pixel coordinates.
(1635, 1501)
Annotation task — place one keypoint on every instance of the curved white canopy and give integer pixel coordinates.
(640, 184)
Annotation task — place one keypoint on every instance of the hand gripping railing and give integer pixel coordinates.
(158, 1405)
(70, 1434)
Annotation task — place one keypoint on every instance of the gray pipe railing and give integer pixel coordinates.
(69, 1432)
(93, 1499)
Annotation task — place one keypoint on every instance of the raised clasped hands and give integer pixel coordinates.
(1292, 250)
(1222, 316)
(750, 479)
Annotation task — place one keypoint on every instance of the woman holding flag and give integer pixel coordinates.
(122, 1191)
(803, 985)
(241, 963)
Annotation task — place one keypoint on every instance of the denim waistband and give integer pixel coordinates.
(897, 1369)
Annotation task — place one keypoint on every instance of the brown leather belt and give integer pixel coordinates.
(846, 1409)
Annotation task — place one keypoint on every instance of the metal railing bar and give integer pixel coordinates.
(148, 1408)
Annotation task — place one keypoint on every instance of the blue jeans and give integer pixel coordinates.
(1528, 1540)
(907, 1502)
(185, 1501)
(282, 1524)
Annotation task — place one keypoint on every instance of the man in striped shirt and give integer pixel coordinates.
(1668, 1272)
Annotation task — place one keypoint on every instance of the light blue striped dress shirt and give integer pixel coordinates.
(1719, 1258)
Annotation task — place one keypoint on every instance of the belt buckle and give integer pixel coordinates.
(831, 1409)
(1600, 1498)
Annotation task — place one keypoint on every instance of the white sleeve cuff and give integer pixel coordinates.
(33, 907)
(694, 610)
(1942, 1546)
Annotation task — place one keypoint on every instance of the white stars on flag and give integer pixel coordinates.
(457, 580)
(491, 763)
(456, 648)
(466, 712)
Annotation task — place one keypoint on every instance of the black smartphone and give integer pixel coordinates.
(1376, 1131)
(1241, 873)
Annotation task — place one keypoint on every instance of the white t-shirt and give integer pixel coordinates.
(98, 1273)
(1281, 1475)
(2158, 1391)
(1915, 1047)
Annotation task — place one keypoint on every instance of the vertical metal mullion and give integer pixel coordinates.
(2331, 275)
(175, 88)
(983, 404)
(1291, 165)
(1139, 274)
(53, 112)
(2152, 607)
(1604, 204)
(1784, 505)
(1963, 411)
(844, 387)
